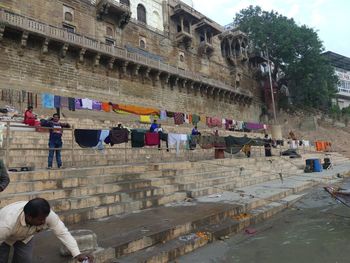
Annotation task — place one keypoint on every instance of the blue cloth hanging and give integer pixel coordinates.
(57, 101)
(47, 101)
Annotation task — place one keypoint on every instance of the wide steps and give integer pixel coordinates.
(163, 253)
(227, 172)
(107, 210)
(96, 200)
(71, 192)
(175, 246)
(232, 183)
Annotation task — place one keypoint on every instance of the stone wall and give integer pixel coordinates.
(47, 73)
(62, 77)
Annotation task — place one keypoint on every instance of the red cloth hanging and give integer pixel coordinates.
(152, 139)
(179, 118)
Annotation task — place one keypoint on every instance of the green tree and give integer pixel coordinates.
(296, 51)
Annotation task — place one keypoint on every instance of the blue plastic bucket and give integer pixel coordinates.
(315, 164)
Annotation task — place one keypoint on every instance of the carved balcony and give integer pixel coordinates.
(205, 48)
(184, 38)
(115, 10)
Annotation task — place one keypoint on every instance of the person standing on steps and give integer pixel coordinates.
(267, 146)
(20, 221)
(162, 137)
(55, 140)
(4, 176)
(195, 131)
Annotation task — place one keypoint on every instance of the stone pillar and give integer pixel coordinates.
(182, 23)
(165, 16)
(230, 45)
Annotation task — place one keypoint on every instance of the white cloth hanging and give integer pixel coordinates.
(86, 104)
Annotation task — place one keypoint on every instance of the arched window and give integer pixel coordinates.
(142, 43)
(109, 31)
(68, 16)
(237, 49)
(141, 14)
(125, 2)
(182, 58)
(156, 20)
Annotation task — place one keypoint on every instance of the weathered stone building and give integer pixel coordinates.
(143, 52)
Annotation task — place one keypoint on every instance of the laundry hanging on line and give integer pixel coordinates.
(117, 136)
(87, 138)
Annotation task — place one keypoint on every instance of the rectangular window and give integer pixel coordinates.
(110, 42)
(69, 28)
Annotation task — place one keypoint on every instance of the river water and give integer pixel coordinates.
(314, 230)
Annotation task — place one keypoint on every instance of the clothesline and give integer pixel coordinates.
(141, 137)
(51, 101)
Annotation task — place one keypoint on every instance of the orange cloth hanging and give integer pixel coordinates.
(319, 146)
(322, 146)
(106, 107)
(136, 110)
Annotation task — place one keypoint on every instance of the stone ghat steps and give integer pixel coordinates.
(245, 170)
(269, 199)
(220, 177)
(156, 169)
(230, 180)
(119, 208)
(83, 194)
(186, 220)
(21, 184)
(173, 249)
(79, 197)
(225, 223)
(75, 209)
(73, 192)
(116, 156)
(230, 184)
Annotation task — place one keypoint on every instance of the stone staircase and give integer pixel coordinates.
(232, 173)
(29, 148)
(222, 218)
(81, 194)
(36, 153)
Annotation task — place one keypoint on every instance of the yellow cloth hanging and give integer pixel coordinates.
(121, 112)
(145, 119)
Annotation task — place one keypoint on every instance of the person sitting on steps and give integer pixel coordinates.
(30, 117)
(154, 126)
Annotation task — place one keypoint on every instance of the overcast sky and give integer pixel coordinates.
(331, 18)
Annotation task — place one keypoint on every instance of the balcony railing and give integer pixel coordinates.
(61, 35)
(115, 3)
(189, 10)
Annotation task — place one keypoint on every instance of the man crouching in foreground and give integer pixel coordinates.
(21, 220)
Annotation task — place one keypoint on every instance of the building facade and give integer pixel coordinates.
(341, 66)
(153, 53)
